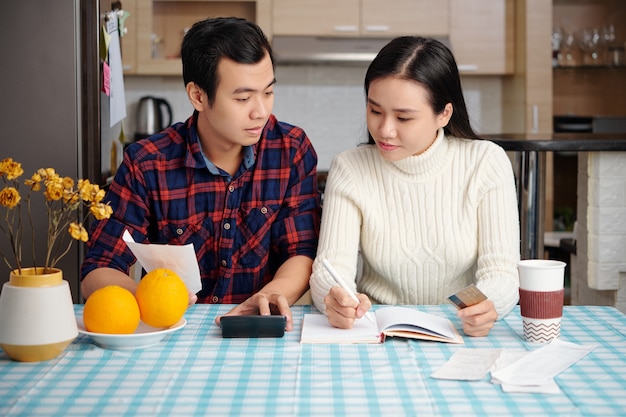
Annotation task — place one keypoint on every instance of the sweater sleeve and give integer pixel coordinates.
(498, 232)
(339, 233)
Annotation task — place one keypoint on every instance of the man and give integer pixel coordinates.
(232, 180)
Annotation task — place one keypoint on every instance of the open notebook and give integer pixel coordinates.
(390, 322)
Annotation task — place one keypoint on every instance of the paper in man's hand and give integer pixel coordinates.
(180, 259)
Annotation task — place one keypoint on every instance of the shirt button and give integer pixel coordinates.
(215, 299)
(264, 210)
(224, 263)
(231, 188)
(179, 232)
(227, 226)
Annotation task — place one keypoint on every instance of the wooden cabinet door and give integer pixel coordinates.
(404, 17)
(160, 25)
(316, 17)
(481, 35)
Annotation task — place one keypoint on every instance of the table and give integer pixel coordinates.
(196, 372)
(529, 166)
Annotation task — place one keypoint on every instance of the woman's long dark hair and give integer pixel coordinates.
(431, 64)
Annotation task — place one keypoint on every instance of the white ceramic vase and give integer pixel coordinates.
(37, 320)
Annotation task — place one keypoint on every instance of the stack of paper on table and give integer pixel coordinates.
(390, 322)
(515, 370)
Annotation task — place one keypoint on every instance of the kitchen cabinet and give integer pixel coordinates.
(582, 85)
(536, 90)
(482, 35)
(370, 18)
(585, 82)
(527, 92)
(156, 29)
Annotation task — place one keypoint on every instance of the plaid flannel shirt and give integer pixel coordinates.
(242, 228)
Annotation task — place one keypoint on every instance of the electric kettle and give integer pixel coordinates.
(153, 115)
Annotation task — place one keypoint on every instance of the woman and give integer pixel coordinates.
(430, 206)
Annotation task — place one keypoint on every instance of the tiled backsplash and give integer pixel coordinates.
(599, 268)
(326, 101)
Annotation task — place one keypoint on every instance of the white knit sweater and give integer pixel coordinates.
(426, 226)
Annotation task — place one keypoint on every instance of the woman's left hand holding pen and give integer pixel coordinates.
(342, 310)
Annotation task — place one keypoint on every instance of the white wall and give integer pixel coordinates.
(326, 101)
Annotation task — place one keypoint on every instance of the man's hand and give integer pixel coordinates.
(479, 318)
(193, 298)
(265, 305)
(342, 310)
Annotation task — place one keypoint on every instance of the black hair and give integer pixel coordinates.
(212, 39)
(430, 63)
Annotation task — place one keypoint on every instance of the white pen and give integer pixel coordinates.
(342, 283)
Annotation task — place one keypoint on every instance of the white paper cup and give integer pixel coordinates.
(541, 298)
(541, 274)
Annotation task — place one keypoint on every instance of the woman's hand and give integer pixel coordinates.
(342, 310)
(478, 319)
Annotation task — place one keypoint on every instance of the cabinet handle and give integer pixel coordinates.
(377, 28)
(345, 28)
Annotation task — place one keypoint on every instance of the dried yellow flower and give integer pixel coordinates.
(70, 196)
(68, 183)
(98, 194)
(34, 182)
(101, 211)
(63, 199)
(84, 187)
(54, 191)
(9, 197)
(10, 168)
(78, 232)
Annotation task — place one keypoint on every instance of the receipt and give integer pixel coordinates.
(468, 364)
(509, 357)
(180, 259)
(541, 365)
(515, 370)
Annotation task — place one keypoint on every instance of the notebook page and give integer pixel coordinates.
(316, 329)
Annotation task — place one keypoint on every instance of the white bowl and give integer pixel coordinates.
(143, 337)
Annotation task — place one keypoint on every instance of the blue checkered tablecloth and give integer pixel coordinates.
(195, 372)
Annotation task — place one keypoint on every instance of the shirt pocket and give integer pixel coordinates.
(254, 239)
(184, 233)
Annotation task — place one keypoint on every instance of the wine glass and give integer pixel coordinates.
(608, 40)
(569, 55)
(589, 43)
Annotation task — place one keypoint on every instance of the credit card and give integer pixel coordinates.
(468, 296)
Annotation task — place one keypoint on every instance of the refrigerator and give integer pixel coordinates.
(52, 110)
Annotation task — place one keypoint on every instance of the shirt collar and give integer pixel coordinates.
(248, 159)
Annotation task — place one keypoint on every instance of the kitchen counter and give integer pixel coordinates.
(573, 142)
(529, 167)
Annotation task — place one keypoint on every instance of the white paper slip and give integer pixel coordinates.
(550, 388)
(468, 364)
(510, 356)
(543, 364)
(178, 258)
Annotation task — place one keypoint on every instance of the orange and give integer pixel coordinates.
(162, 297)
(112, 310)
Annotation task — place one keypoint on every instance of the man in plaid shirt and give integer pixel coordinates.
(232, 180)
